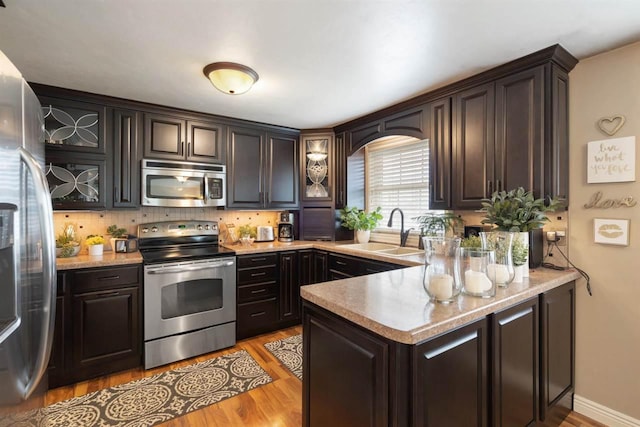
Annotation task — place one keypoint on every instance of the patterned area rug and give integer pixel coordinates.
(153, 400)
(289, 352)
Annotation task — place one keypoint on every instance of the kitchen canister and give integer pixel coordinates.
(502, 271)
(473, 272)
(441, 257)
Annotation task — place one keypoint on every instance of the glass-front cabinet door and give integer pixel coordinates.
(74, 125)
(76, 183)
(317, 172)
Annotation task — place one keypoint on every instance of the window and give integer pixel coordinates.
(397, 176)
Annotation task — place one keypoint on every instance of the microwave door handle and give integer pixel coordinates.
(206, 190)
(190, 269)
(43, 199)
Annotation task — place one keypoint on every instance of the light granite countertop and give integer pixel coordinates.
(338, 247)
(393, 304)
(108, 259)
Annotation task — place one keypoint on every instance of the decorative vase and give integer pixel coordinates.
(501, 242)
(473, 272)
(524, 238)
(96, 250)
(518, 276)
(439, 280)
(362, 236)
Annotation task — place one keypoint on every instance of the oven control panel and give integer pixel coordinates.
(178, 228)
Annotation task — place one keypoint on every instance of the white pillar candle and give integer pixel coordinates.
(476, 282)
(441, 286)
(498, 272)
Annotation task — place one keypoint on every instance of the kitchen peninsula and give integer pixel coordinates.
(378, 353)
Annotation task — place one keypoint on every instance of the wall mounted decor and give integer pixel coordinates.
(611, 125)
(611, 231)
(596, 202)
(611, 160)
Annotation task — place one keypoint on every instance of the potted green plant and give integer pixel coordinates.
(518, 211)
(116, 234)
(362, 222)
(67, 245)
(437, 224)
(95, 244)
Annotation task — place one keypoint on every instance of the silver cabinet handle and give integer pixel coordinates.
(43, 199)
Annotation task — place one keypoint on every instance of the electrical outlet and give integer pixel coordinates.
(561, 237)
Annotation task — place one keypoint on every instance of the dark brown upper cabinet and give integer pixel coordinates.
(74, 125)
(440, 153)
(176, 138)
(519, 143)
(474, 146)
(262, 169)
(127, 151)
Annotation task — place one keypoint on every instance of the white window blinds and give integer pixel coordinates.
(397, 174)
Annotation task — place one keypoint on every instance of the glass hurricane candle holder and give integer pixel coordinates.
(473, 272)
(441, 254)
(502, 271)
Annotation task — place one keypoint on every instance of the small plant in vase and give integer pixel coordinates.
(67, 245)
(360, 221)
(95, 244)
(519, 255)
(437, 224)
(248, 234)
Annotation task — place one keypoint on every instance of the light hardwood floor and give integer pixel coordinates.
(277, 404)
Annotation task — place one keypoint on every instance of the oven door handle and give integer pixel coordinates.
(190, 269)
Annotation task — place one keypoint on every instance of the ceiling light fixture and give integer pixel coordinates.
(231, 78)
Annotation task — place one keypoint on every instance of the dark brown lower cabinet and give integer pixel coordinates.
(514, 365)
(450, 385)
(557, 350)
(289, 303)
(98, 326)
(61, 336)
(346, 374)
(106, 331)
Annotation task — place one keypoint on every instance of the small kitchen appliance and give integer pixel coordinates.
(264, 234)
(285, 227)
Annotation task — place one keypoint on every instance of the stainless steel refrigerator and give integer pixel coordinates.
(27, 247)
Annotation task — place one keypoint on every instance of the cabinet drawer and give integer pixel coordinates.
(256, 317)
(346, 265)
(258, 291)
(105, 278)
(257, 275)
(247, 261)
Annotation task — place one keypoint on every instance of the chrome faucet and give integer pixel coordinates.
(403, 234)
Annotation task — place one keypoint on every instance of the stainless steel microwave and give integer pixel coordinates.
(182, 184)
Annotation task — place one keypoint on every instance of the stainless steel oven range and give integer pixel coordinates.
(189, 291)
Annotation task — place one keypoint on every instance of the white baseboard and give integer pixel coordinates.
(603, 414)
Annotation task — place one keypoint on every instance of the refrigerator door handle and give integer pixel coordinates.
(48, 270)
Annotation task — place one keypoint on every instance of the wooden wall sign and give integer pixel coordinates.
(611, 160)
(596, 202)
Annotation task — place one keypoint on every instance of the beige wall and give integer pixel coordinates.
(608, 324)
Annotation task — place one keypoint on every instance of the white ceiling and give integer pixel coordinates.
(321, 62)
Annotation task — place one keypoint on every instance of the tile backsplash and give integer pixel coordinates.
(96, 222)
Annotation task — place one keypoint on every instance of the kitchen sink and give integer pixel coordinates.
(400, 251)
(384, 249)
(371, 247)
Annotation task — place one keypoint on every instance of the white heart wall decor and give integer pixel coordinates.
(611, 125)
